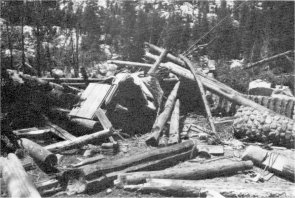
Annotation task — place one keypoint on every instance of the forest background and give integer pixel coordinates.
(70, 34)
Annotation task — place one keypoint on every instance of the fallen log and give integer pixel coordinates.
(59, 131)
(85, 125)
(161, 120)
(37, 152)
(16, 179)
(95, 171)
(268, 59)
(201, 171)
(200, 188)
(79, 141)
(32, 132)
(275, 162)
(174, 132)
(202, 91)
(128, 63)
(213, 85)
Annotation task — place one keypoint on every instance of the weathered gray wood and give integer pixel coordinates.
(161, 120)
(86, 124)
(226, 188)
(59, 131)
(174, 132)
(275, 162)
(37, 152)
(200, 171)
(103, 119)
(202, 91)
(128, 63)
(79, 141)
(16, 179)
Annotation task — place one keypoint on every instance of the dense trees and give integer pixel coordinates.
(70, 34)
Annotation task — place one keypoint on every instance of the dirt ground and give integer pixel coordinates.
(134, 145)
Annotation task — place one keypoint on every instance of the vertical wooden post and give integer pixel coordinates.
(202, 91)
(174, 133)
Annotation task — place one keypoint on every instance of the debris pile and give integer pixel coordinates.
(134, 131)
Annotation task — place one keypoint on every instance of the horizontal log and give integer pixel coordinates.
(128, 63)
(78, 142)
(18, 183)
(38, 153)
(275, 162)
(85, 125)
(95, 171)
(226, 188)
(202, 171)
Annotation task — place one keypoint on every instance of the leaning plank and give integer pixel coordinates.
(38, 152)
(200, 171)
(79, 141)
(198, 188)
(174, 132)
(278, 163)
(161, 120)
(16, 179)
(103, 119)
(95, 171)
(157, 63)
(202, 91)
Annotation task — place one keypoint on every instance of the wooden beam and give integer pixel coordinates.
(128, 63)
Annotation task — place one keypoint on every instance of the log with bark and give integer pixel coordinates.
(275, 162)
(161, 120)
(79, 141)
(95, 171)
(37, 152)
(18, 183)
(200, 171)
(85, 125)
(172, 187)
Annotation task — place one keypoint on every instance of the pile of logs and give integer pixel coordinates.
(166, 166)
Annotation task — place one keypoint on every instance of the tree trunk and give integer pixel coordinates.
(10, 44)
(225, 188)
(37, 152)
(77, 48)
(79, 141)
(202, 171)
(17, 180)
(38, 54)
(23, 40)
(95, 171)
(275, 162)
(161, 120)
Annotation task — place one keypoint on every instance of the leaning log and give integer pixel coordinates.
(272, 58)
(200, 171)
(202, 91)
(157, 63)
(16, 179)
(95, 171)
(79, 141)
(161, 120)
(37, 152)
(275, 162)
(174, 132)
(225, 188)
(212, 84)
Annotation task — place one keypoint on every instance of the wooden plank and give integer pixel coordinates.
(94, 95)
(60, 132)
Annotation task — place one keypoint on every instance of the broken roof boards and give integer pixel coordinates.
(94, 96)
